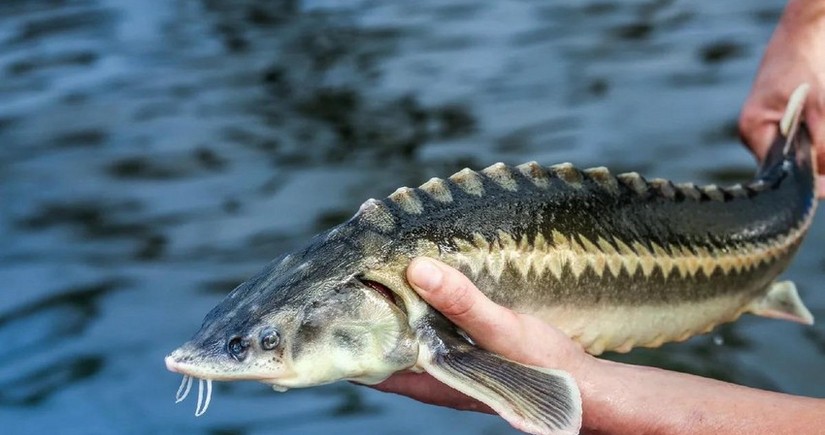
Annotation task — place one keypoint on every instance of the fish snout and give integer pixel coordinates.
(172, 364)
(180, 360)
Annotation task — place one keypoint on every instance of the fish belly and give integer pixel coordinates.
(621, 328)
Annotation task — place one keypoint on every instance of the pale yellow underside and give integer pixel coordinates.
(623, 328)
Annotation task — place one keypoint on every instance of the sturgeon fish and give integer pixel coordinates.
(613, 261)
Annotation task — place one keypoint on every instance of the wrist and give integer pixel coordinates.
(599, 401)
(622, 398)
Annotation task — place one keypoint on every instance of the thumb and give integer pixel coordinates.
(520, 337)
(456, 297)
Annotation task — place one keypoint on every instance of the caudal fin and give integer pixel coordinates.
(791, 149)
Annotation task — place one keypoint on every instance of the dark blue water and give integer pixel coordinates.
(154, 154)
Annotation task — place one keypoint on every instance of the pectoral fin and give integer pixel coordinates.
(532, 399)
(782, 302)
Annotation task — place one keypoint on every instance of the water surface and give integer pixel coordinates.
(154, 154)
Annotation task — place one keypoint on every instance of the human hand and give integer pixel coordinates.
(795, 55)
(518, 337)
(616, 398)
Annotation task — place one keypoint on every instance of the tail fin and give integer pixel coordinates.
(784, 190)
(792, 146)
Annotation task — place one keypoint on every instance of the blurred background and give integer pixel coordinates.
(154, 154)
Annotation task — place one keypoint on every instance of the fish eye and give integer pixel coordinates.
(237, 347)
(270, 338)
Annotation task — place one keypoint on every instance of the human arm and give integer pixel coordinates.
(617, 398)
(795, 55)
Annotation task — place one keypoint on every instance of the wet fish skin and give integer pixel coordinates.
(550, 240)
(613, 261)
(323, 288)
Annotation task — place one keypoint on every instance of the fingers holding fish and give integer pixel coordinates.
(758, 124)
(815, 119)
(492, 326)
(427, 389)
(455, 296)
(795, 54)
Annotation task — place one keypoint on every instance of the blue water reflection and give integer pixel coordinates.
(154, 154)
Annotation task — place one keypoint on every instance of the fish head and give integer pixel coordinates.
(300, 324)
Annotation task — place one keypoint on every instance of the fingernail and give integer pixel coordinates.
(425, 274)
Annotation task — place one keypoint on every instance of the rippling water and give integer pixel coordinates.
(154, 154)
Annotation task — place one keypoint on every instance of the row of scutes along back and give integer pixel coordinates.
(506, 178)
